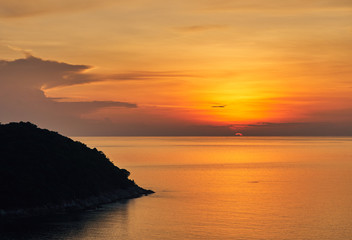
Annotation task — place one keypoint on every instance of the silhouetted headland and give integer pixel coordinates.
(43, 172)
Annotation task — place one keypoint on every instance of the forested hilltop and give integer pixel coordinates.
(42, 171)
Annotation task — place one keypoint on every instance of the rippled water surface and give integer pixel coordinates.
(217, 188)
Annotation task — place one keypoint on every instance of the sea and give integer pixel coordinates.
(250, 188)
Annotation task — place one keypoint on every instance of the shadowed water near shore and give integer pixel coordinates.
(80, 225)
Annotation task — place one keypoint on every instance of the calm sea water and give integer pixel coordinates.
(217, 188)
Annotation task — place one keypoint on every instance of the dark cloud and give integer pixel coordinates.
(297, 129)
(22, 97)
(87, 106)
(35, 72)
(218, 106)
(39, 73)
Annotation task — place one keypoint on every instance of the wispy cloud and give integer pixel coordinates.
(200, 28)
(26, 52)
(288, 5)
(150, 75)
(19, 8)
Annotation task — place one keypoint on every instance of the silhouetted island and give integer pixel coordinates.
(44, 172)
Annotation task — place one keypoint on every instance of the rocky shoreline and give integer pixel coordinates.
(75, 204)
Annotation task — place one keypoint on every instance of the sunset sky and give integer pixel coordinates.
(160, 67)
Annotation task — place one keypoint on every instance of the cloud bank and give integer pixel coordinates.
(22, 97)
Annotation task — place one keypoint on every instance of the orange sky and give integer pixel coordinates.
(152, 67)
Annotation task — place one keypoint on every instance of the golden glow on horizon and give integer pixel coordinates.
(210, 62)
